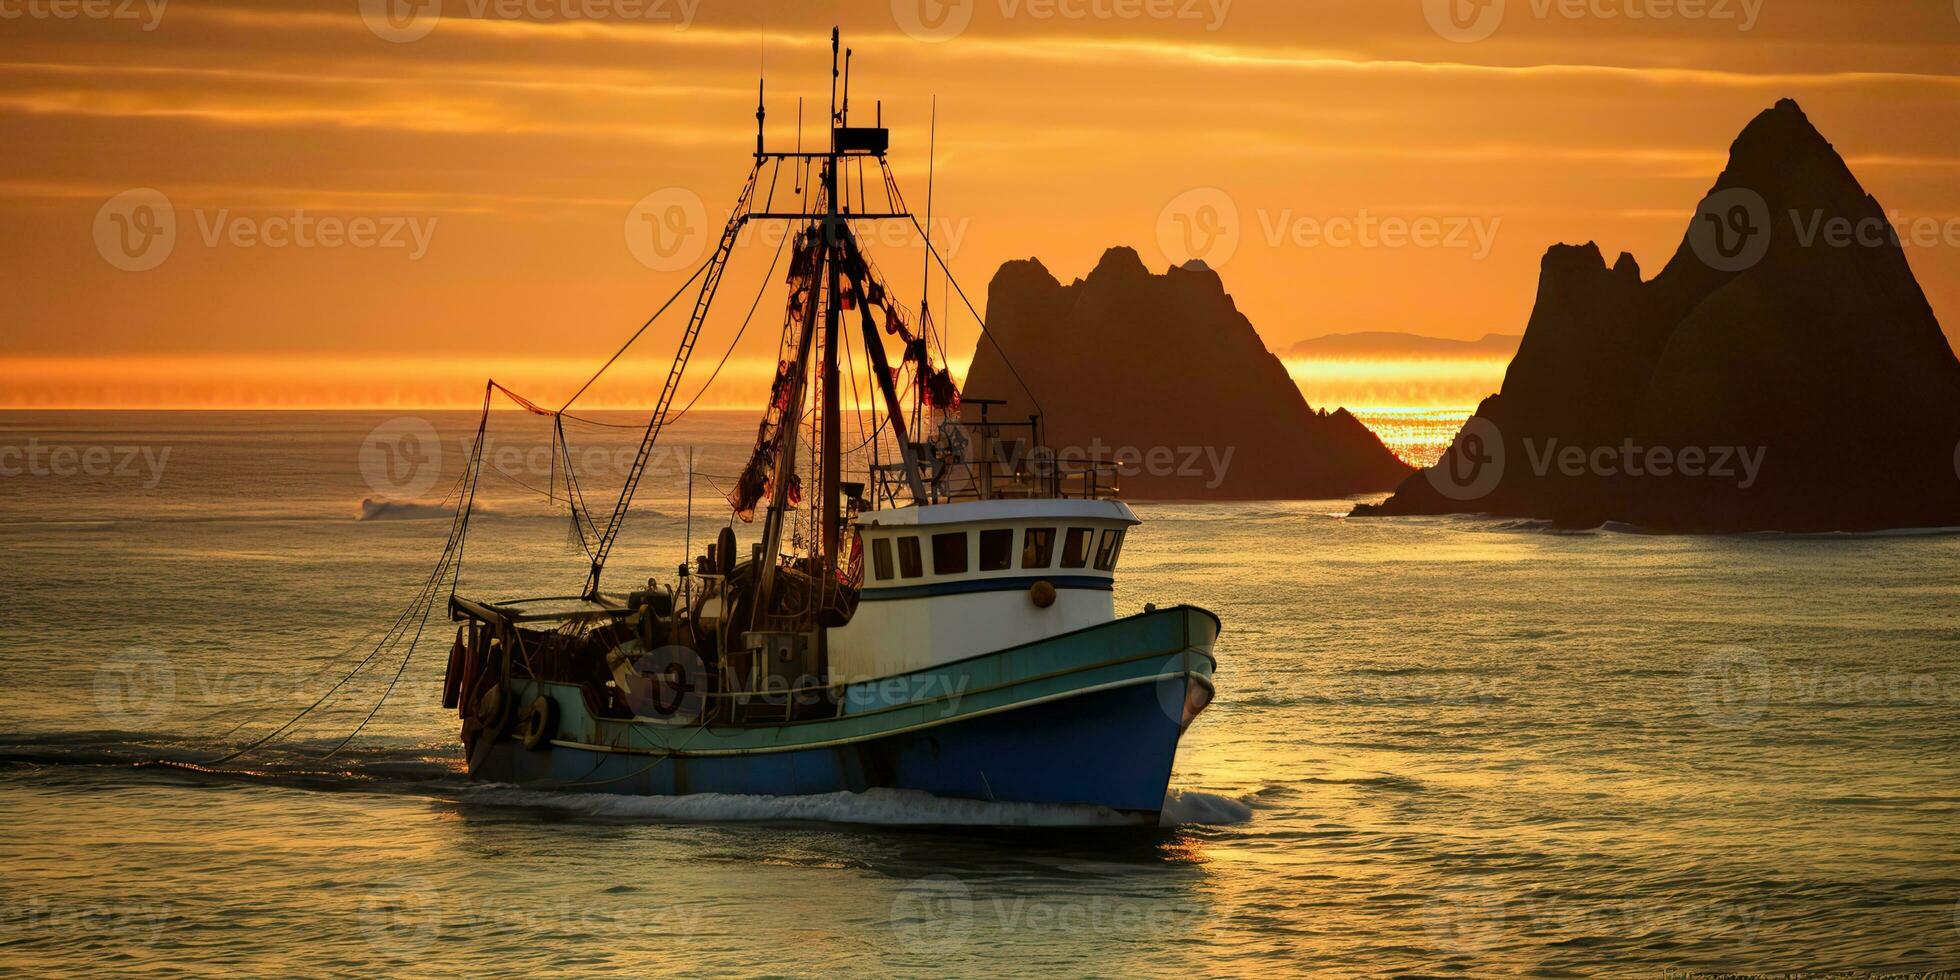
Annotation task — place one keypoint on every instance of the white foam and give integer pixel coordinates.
(877, 806)
(1188, 807)
(401, 510)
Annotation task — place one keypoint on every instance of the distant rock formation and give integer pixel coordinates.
(1165, 370)
(1390, 345)
(1783, 372)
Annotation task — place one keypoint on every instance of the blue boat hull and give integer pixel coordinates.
(1070, 720)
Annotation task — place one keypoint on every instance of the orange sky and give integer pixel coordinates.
(497, 162)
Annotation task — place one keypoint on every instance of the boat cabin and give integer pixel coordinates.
(976, 577)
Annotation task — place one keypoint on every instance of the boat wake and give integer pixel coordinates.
(425, 770)
(402, 510)
(879, 807)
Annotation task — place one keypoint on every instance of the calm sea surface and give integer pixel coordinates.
(1441, 747)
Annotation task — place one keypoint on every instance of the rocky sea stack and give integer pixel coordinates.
(1165, 370)
(1783, 372)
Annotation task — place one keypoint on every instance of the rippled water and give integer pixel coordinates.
(1443, 747)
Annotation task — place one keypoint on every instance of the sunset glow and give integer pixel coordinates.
(501, 160)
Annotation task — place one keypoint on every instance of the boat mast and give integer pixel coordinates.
(837, 272)
(833, 429)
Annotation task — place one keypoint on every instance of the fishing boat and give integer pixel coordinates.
(931, 611)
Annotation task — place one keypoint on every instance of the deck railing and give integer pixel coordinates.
(989, 460)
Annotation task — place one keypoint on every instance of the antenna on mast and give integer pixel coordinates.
(845, 117)
(925, 274)
(760, 114)
(833, 75)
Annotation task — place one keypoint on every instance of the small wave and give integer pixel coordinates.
(1897, 532)
(1411, 670)
(1191, 808)
(401, 510)
(1398, 784)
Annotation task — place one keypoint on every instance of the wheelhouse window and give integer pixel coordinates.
(1075, 550)
(909, 563)
(996, 550)
(1038, 547)
(949, 553)
(1108, 550)
(881, 559)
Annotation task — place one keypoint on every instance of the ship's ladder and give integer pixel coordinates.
(710, 282)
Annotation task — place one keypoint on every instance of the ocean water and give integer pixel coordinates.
(1444, 747)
